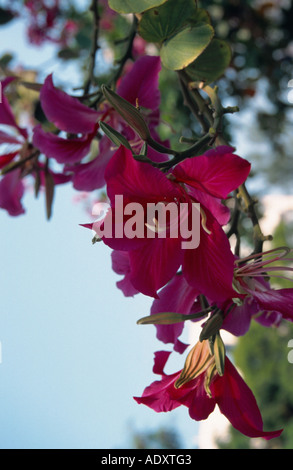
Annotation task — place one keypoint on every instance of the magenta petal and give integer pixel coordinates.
(11, 192)
(160, 360)
(209, 268)
(130, 178)
(238, 320)
(157, 395)
(237, 402)
(62, 150)
(154, 264)
(6, 114)
(9, 139)
(66, 112)
(142, 83)
(216, 173)
(213, 204)
(279, 300)
(200, 405)
(121, 265)
(7, 158)
(90, 176)
(178, 297)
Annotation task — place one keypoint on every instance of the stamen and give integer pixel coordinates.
(259, 264)
(258, 257)
(204, 220)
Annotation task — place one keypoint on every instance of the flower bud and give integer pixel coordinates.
(219, 354)
(212, 326)
(197, 361)
(129, 112)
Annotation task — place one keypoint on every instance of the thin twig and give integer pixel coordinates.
(117, 73)
(95, 46)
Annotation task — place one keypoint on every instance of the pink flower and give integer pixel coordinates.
(154, 261)
(42, 20)
(68, 114)
(252, 299)
(204, 391)
(257, 299)
(12, 141)
(7, 117)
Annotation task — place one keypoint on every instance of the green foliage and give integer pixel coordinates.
(134, 6)
(159, 24)
(5, 16)
(182, 31)
(212, 63)
(183, 48)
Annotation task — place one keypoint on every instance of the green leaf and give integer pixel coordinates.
(212, 63)
(183, 48)
(134, 6)
(158, 24)
(6, 16)
(69, 53)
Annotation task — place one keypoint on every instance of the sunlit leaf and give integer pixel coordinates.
(158, 24)
(134, 6)
(212, 63)
(183, 48)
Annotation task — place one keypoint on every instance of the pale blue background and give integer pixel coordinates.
(72, 354)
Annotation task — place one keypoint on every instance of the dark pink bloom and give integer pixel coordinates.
(68, 114)
(154, 261)
(11, 185)
(43, 19)
(201, 394)
(62, 150)
(138, 86)
(252, 299)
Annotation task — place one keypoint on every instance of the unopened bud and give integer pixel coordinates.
(212, 326)
(164, 318)
(219, 354)
(115, 136)
(210, 374)
(129, 112)
(197, 361)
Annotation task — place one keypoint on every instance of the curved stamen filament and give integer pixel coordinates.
(266, 254)
(259, 264)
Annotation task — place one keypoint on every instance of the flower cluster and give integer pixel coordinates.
(165, 225)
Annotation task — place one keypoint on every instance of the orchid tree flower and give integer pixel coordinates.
(253, 299)
(200, 387)
(154, 260)
(13, 139)
(18, 159)
(81, 124)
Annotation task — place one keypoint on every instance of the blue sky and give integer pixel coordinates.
(72, 354)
